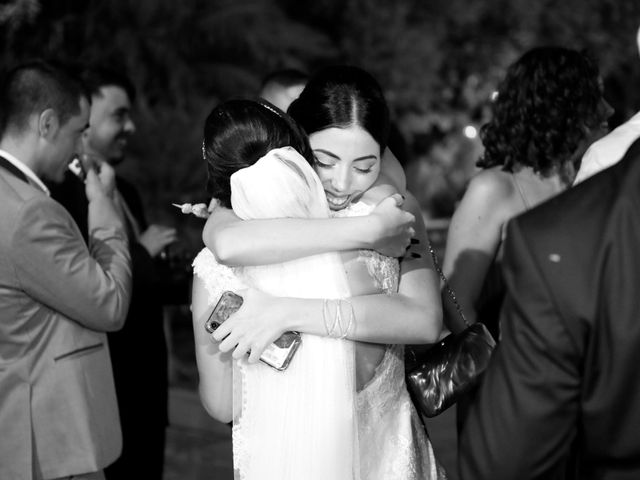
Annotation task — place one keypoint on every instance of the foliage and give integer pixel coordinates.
(438, 60)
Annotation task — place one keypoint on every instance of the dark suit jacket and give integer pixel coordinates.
(57, 300)
(561, 398)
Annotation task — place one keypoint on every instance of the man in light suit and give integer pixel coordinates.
(58, 297)
(139, 350)
(561, 397)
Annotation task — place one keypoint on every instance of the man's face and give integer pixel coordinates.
(110, 125)
(66, 143)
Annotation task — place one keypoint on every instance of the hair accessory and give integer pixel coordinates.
(200, 210)
(270, 108)
(204, 150)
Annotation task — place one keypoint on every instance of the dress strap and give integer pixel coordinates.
(527, 204)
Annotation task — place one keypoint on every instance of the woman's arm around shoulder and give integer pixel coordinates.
(413, 315)
(233, 241)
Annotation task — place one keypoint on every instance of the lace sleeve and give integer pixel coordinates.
(216, 277)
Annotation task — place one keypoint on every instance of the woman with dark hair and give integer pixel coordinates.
(548, 109)
(347, 138)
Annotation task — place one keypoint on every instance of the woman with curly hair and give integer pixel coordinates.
(549, 108)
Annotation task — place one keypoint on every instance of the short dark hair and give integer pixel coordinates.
(287, 77)
(237, 133)
(543, 104)
(342, 96)
(35, 86)
(97, 77)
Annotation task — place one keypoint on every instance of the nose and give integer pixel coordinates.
(129, 126)
(341, 180)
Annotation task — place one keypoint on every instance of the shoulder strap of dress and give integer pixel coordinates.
(520, 191)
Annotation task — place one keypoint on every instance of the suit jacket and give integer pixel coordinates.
(58, 297)
(561, 397)
(138, 350)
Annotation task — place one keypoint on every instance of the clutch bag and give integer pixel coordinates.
(451, 367)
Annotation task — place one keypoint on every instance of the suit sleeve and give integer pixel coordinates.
(522, 424)
(54, 266)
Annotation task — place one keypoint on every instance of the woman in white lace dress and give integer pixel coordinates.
(347, 152)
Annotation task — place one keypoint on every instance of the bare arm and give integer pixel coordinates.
(413, 315)
(473, 241)
(258, 242)
(214, 367)
(392, 172)
(233, 241)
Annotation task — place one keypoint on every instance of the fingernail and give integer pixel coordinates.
(415, 255)
(415, 241)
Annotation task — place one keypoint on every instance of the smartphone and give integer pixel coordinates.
(77, 168)
(278, 355)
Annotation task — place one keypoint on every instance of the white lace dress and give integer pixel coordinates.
(392, 441)
(308, 423)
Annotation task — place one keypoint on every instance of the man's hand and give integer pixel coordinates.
(101, 178)
(157, 237)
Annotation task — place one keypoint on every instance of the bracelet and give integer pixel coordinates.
(337, 328)
(326, 314)
(352, 317)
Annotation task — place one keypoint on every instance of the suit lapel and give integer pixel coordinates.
(11, 168)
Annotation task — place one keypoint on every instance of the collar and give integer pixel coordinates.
(26, 170)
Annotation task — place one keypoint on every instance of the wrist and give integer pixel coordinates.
(370, 231)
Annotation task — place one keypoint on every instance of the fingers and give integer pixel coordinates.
(241, 350)
(399, 199)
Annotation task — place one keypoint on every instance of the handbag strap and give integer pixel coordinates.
(452, 294)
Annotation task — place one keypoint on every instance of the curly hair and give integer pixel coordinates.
(545, 107)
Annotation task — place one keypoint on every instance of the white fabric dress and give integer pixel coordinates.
(299, 423)
(393, 443)
(308, 422)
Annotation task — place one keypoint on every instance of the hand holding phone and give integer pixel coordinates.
(278, 355)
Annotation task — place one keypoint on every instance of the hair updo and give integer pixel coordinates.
(237, 133)
(342, 96)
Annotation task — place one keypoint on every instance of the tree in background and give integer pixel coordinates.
(183, 58)
(439, 61)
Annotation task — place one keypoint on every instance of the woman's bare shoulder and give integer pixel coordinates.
(492, 183)
(490, 196)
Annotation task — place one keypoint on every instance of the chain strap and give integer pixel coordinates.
(446, 284)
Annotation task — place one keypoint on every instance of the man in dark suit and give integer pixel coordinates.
(58, 297)
(139, 350)
(561, 397)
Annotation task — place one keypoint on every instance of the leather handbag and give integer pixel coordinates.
(450, 368)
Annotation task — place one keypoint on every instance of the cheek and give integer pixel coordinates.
(323, 174)
(364, 182)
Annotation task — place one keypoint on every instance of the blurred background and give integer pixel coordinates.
(438, 61)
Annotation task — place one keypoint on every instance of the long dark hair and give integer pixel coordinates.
(544, 103)
(342, 96)
(237, 133)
